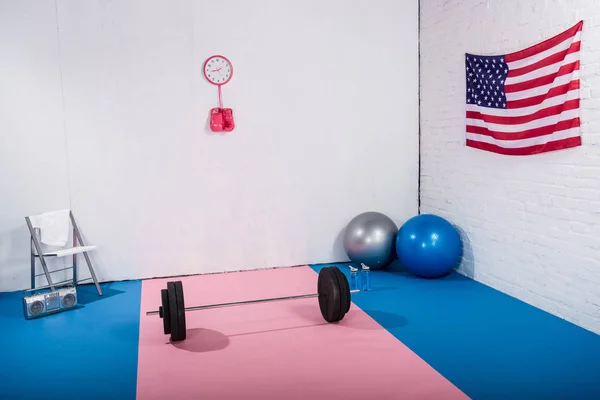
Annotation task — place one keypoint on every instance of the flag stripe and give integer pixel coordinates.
(516, 128)
(526, 151)
(547, 44)
(522, 119)
(550, 60)
(526, 134)
(550, 69)
(564, 45)
(555, 91)
(512, 144)
(541, 90)
(543, 80)
(524, 111)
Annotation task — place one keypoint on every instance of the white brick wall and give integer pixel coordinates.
(531, 224)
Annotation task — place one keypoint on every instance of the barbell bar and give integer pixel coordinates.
(244, 302)
(333, 292)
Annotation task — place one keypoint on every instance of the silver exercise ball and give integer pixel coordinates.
(370, 238)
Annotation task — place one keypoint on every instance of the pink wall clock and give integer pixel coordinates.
(218, 70)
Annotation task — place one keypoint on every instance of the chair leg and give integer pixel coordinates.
(85, 254)
(74, 259)
(89, 263)
(32, 264)
(38, 249)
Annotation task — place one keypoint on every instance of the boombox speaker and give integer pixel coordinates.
(42, 304)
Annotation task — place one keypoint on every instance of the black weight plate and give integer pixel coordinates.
(173, 310)
(180, 310)
(323, 300)
(337, 309)
(335, 271)
(329, 295)
(322, 289)
(344, 292)
(166, 314)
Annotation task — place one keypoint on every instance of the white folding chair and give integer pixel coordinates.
(53, 229)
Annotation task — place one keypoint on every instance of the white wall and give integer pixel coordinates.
(532, 223)
(325, 100)
(33, 165)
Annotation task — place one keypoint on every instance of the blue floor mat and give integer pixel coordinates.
(87, 353)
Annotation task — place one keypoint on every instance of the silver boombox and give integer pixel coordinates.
(42, 304)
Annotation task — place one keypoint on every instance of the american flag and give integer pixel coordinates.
(526, 102)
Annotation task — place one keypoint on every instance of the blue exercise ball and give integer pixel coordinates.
(428, 246)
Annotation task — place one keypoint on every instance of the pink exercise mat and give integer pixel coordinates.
(280, 350)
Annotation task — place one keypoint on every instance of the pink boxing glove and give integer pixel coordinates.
(216, 120)
(228, 123)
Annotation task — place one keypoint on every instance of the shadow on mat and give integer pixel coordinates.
(308, 312)
(452, 276)
(200, 340)
(87, 294)
(353, 319)
(289, 328)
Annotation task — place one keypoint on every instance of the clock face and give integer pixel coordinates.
(218, 70)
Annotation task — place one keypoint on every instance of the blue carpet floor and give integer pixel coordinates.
(488, 344)
(88, 353)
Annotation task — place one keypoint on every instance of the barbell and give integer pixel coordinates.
(333, 292)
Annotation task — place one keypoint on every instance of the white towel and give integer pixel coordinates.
(54, 227)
